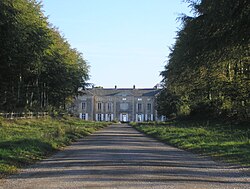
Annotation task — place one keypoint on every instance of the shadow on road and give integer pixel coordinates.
(121, 155)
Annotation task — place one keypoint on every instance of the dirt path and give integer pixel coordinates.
(121, 157)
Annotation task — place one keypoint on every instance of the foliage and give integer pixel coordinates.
(38, 67)
(25, 141)
(209, 63)
(229, 143)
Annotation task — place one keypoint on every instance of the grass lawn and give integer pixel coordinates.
(24, 141)
(224, 142)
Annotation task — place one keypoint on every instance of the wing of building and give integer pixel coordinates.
(125, 105)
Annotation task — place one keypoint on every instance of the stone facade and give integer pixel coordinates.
(125, 105)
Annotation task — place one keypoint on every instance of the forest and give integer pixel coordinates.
(39, 70)
(208, 70)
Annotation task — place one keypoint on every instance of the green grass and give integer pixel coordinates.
(24, 141)
(223, 142)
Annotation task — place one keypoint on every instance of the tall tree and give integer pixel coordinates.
(209, 62)
(38, 67)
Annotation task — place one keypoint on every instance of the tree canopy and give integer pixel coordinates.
(38, 67)
(208, 67)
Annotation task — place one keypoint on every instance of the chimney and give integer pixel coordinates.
(115, 87)
(133, 86)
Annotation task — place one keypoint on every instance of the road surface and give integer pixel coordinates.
(120, 157)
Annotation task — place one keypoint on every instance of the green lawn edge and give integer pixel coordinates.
(26, 141)
(222, 142)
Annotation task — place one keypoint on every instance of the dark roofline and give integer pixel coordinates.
(113, 91)
(122, 88)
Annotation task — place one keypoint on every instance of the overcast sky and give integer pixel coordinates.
(125, 42)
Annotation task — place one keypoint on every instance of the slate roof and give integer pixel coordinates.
(122, 91)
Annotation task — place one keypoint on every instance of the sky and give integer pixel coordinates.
(125, 42)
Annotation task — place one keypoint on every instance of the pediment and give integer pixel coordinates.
(125, 93)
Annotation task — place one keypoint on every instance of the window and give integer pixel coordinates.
(139, 107)
(84, 116)
(139, 99)
(110, 117)
(139, 118)
(149, 117)
(99, 106)
(149, 106)
(124, 99)
(84, 106)
(99, 117)
(109, 106)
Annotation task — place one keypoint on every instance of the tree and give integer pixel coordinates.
(38, 67)
(209, 62)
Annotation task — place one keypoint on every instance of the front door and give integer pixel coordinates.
(139, 118)
(124, 118)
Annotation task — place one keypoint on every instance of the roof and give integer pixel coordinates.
(122, 91)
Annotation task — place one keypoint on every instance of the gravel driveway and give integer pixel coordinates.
(120, 157)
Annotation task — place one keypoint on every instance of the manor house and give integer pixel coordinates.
(124, 104)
